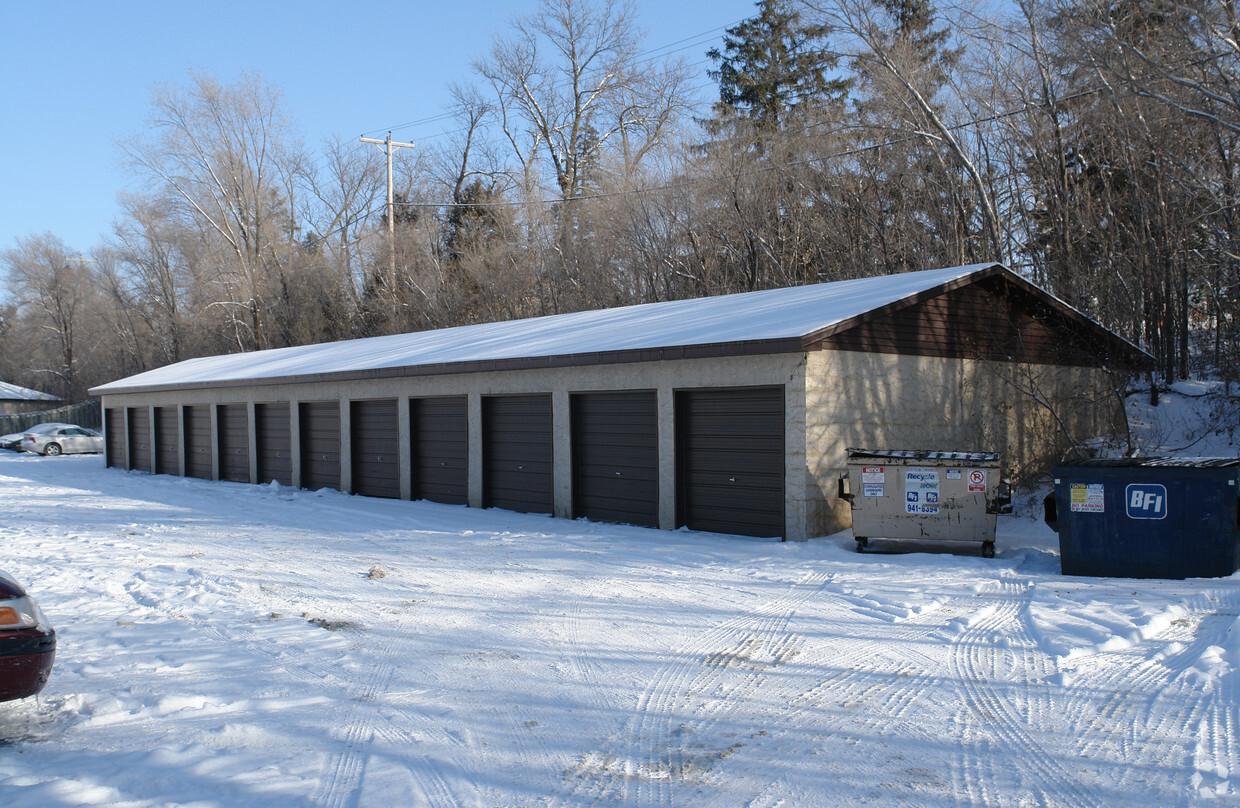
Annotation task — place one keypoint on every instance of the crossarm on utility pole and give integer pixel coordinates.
(388, 145)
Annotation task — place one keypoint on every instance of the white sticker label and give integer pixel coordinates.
(921, 491)
(977, 481)
(872, 474)
(953, 474)
(873, 490)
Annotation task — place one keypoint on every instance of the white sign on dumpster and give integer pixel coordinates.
(977, 481)
(921, 490)
(873, 480)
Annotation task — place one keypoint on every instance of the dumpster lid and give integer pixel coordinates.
(1152, 462)
(925, 454)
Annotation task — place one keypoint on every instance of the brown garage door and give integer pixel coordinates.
(197, 426)
(375, 448)
(439, 432)
(320, 445)
(139, 438)
(616, 457)
(275, 443)
(233, 423)
(114, 426)
(167, 441)
(730, 460)
(516, 453)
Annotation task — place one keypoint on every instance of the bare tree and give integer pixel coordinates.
(903, 63)
(53, 289)
(570, 85)
(226, 153)
(150, 272)
(346, 192)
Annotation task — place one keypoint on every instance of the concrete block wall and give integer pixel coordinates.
(887, 401)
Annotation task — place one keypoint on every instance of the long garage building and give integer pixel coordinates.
(729, 414)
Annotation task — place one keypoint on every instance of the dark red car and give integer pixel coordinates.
(27, 642)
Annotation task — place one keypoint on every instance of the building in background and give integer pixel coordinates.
(15, 399)
(731, 413)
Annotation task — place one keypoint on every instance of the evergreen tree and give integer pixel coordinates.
(772, 64)
(914, 21)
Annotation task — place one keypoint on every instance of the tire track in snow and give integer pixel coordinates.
(877, 677)
(1215, 757)
(1150, 703)
(356, 741)
(671, 737)
(996, 716)
(364, 725)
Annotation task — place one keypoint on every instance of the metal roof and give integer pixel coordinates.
(764, 322)
(13, 392)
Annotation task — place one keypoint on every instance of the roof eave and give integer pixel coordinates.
(701, 351)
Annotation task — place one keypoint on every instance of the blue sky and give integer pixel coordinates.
(75, 77)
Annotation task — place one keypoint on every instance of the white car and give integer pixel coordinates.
(14, 440)
(62, 440)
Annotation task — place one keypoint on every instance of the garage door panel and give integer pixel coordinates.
(233, 421)
(275, 442)
(616, 457)
(197, 426)
(626, 490)
(375, 448)
(739, 456)
(167, 441)
(139, 438)
(618, 473)
(114, 422)
(730, 460)
(439, 433)
(320, 444)
(517, 453)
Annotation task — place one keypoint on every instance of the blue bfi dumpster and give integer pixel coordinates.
(1147, 517)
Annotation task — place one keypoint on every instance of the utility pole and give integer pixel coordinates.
(391, 213)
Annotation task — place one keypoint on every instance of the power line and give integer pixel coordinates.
(763, 170)
(662, 50)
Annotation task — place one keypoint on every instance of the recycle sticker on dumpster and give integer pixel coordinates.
(921, 491)
(1086, 498)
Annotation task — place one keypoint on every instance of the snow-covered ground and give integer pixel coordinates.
(231, 645)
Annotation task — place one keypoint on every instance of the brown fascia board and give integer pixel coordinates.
(1127, 353)
(1123, 351)
(813, 340)
(704, 351)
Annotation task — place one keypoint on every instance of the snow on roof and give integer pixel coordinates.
(12, 392)
(746, 317)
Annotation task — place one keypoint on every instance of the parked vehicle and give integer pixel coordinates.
(69, 439)
(27, 642)
(13, 440)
